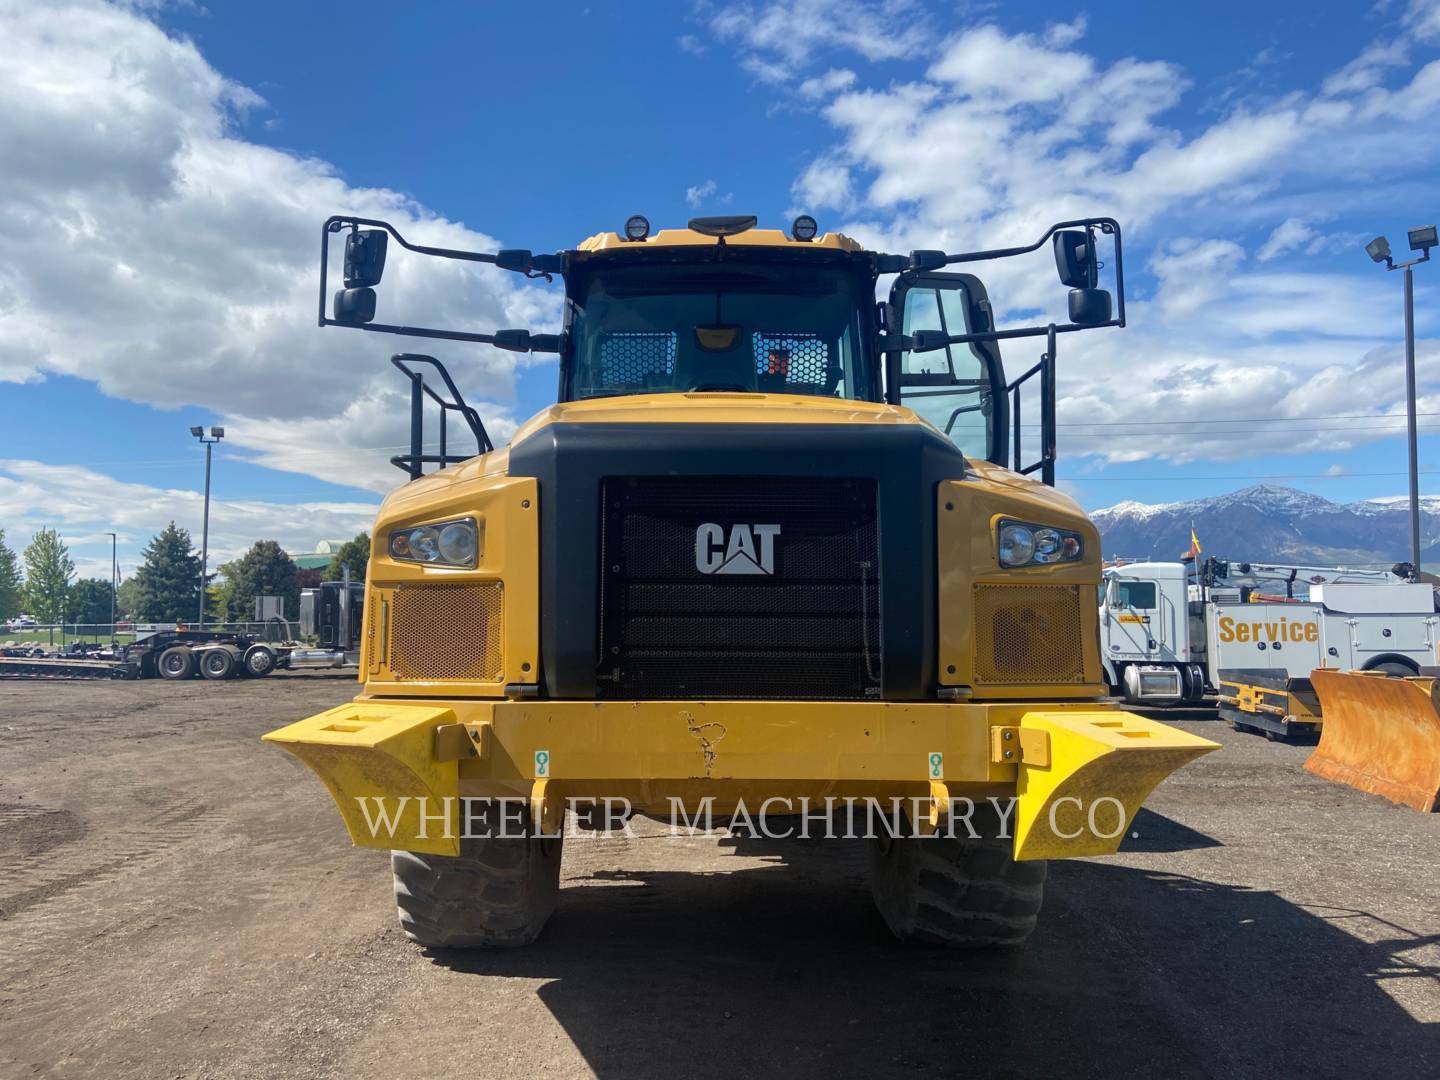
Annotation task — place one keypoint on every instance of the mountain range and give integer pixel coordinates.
(1270, 523)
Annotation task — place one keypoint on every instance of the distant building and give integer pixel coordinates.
(320, 558)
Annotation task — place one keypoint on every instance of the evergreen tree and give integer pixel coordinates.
(167, 585)
(10, 581)
(354, 554)
(48, 571)
(88, 601)
(264, 570)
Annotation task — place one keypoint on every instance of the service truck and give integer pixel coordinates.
(1166, 639)
(774, 545)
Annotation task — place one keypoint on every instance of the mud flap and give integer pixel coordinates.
(379, 763)
(1079, 794)
(1380, 734)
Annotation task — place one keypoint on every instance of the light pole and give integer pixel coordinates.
(1421, 240)
(113, 587)
(216, 434)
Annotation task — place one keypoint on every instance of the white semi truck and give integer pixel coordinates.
(1164, 640)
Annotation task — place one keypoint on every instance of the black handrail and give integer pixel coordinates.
(1045, 368)
(412, 464)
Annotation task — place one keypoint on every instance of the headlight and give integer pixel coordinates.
(447, 543)
(1023, 544)
(1017, 545)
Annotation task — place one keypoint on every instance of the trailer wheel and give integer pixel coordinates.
(218, 663)
(497, 894)
(259, 661)
(956, 893)
(176, 662)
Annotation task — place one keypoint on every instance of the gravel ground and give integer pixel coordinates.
(179, 900)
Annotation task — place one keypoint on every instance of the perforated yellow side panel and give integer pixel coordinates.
(1028, 634)
(447, 632)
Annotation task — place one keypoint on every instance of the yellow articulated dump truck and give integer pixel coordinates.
(772, 551)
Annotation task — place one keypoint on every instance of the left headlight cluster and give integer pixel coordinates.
(1024, 544)
(446, 543)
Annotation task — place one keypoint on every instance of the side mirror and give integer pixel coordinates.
(365, 258)
(1075, 259)
(1089, 307)
(355, 305)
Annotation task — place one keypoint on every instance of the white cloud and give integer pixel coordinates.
(1368, 69)
(689, 43)
(700, 192)
(154, 250)
(1061, 34)
(822, 86)
(989, 64)
(1193, 275)
(84, 504)
(796, 30)
(1288, 235)
(1422, 18)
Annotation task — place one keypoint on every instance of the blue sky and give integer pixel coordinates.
(168, 167)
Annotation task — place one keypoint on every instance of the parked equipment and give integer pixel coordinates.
(1165, 640)
(775, 542)
(334, 614)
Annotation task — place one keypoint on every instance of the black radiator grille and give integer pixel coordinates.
(778, 598)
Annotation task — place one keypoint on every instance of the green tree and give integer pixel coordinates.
(88, 601)
(10, 581)
(264, 570)
(48, 571)
(127, 599)
(354, 554)
(167, 585)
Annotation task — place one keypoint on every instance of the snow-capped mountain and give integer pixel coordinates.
(1272, 524)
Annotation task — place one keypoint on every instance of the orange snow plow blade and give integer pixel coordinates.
(1379, 734)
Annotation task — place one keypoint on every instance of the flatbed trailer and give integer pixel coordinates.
(31, 667)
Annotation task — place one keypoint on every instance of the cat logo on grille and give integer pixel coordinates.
(748, 549)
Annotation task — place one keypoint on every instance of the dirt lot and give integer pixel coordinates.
(178, 900)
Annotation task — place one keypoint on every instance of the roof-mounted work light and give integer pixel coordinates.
(804, 228)
(1378, 249)
(723, 226)
(1423, 238)
(637, 227)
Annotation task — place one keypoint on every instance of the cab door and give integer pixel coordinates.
(1135, 617)
(960, 389)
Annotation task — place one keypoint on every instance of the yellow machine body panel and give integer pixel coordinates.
(1079, 771)
(670, 238)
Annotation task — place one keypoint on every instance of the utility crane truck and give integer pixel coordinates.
(1254, 632)
(774, 545)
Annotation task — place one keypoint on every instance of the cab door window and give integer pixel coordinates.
(956, 387)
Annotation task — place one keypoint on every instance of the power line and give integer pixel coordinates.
(1244, 420)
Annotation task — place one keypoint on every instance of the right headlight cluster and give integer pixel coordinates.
(1024, 544)
(446, 543)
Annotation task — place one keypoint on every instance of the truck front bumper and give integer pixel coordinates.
(1078, 771)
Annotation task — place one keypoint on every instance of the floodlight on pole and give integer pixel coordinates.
(1421, 240)
(216, 434)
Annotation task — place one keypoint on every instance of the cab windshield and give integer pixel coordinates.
(721, 327)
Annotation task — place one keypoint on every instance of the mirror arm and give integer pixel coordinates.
(509, 340)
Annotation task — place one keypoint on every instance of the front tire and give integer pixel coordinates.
(955, 893)
(497, 893)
